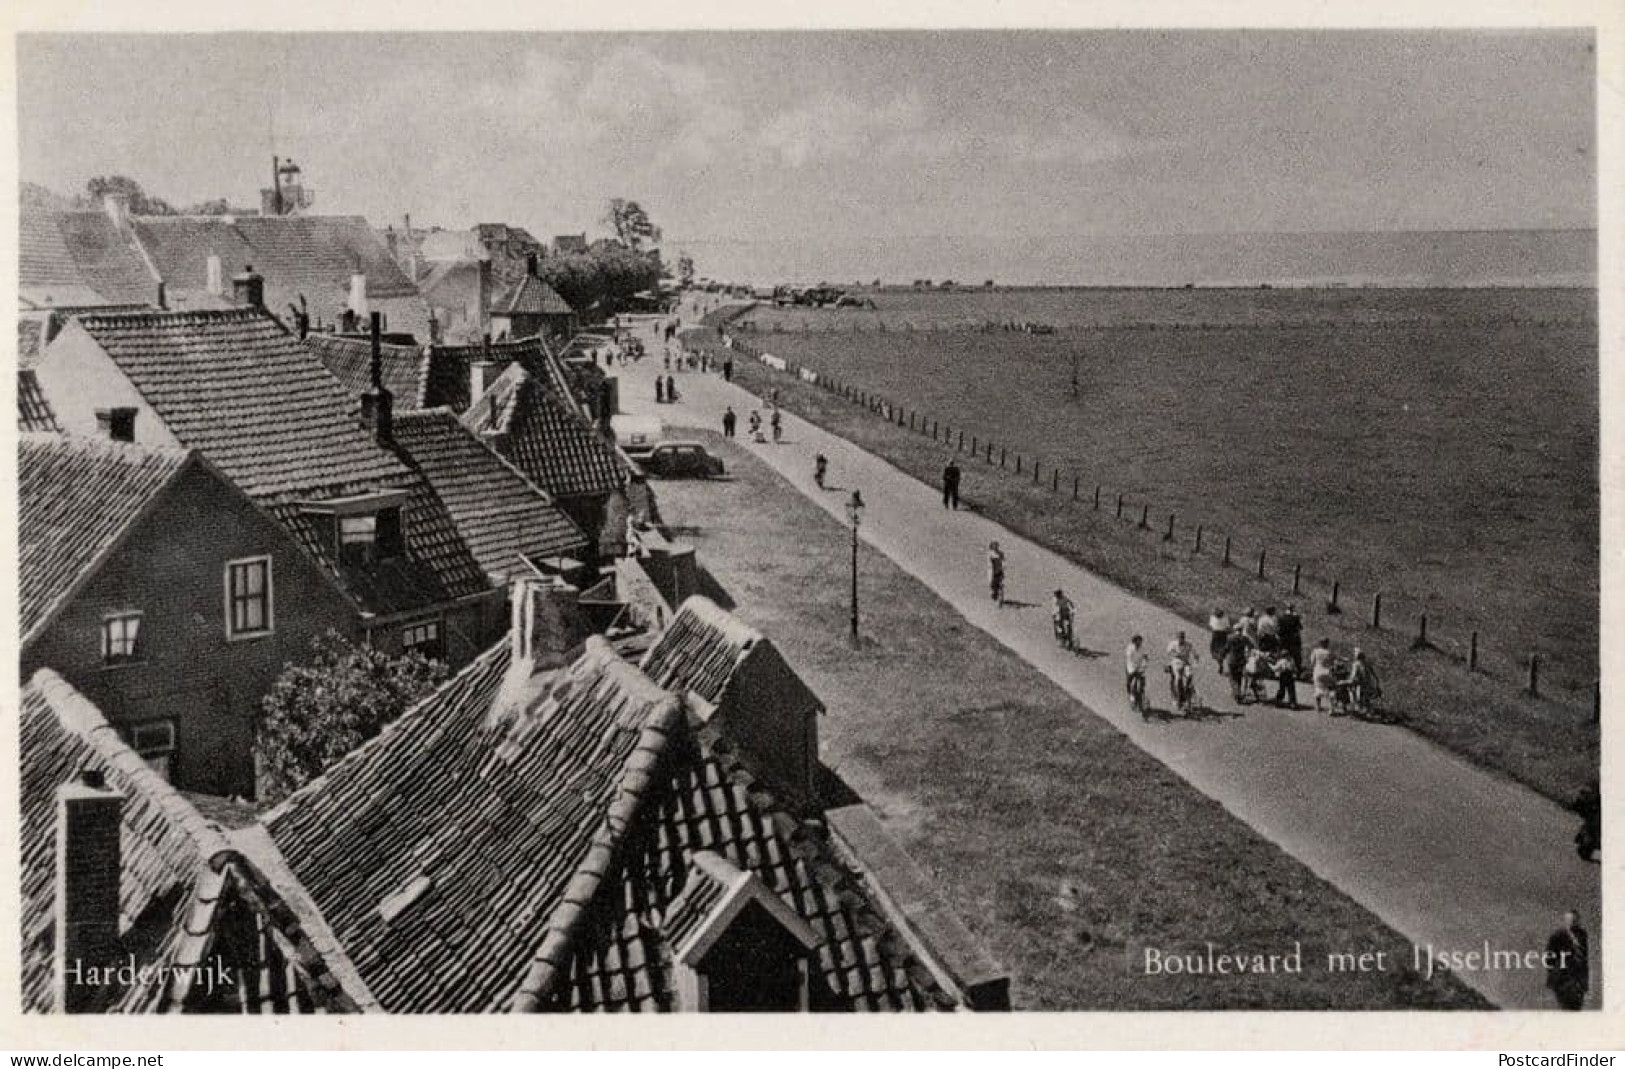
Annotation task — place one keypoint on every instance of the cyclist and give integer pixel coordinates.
(1182, 659)
(1061, 613)
(995, 572)
(1135, 661)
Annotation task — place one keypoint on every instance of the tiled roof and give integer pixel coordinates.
(75, 498)
(532, 296)
(500, 515)
(545, 437)
(30, 339)
(298, 255)
(700, 650)
(183, 883)
(80, 257)
(440, 851)
(263, 409)
(404, 368)
(33, 410)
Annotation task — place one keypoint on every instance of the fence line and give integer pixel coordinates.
(1426, 634)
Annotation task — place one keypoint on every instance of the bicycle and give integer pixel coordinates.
(1136, 694)
(1182, 685)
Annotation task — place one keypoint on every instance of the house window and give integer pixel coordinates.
(369, 536)
(117, 423)
(155, 742)
(248, 598)
(423, 637)
(121, 638)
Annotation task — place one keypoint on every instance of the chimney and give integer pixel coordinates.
(216, 283)
(358, 295)
(88, 868)
(434, 328)
(478, 375)
(485, 297)
(531, 267)
(163, 297)
(117, 207)
(377, 405)
(547, 623)
(248, 288)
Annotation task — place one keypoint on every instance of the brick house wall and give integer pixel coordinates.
(171, 568)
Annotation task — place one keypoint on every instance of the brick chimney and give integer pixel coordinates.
(248, 289)
(215, 280)
(377, 404)
(88, 867)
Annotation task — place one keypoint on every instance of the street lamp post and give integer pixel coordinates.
(854, 512)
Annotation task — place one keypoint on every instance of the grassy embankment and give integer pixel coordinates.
(1437, 484)
(1060, 843)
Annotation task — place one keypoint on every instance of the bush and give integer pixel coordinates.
(318, 712)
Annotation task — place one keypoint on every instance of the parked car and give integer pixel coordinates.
(682, 460)
(637, 435)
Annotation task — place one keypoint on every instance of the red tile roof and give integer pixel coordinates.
(75, 499)
(532, 296)
(79, 257)
(545, 437)
(33, 410)
(502, 517)
(184, 884)
(298, 255)
(439, 851)
(241, 390)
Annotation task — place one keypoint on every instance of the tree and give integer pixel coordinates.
(685, 269)
(630, 223)
(140, 202)
(318, 712)
(218, 206)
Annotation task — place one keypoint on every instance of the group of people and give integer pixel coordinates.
(665, 390)
(1258, 648)
(775, 421)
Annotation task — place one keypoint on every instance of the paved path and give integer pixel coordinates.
(1445, 853)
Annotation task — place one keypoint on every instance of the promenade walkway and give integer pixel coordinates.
(1449, 855)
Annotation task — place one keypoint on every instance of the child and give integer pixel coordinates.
(1258, 667)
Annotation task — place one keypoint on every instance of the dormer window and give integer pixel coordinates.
(366, 528)
(117, 424)
(737, 947)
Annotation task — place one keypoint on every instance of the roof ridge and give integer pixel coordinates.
(164, 317)
(86, 445)
(637, 783)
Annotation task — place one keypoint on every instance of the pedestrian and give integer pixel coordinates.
(1568, 963)
(1322, 672)
(1236, 648)
(728, 370)
(728, 422)
(1269, 631)
(671, 390)
(1286, 680)
(950, 486)
(820, 469)
(995, 572)
(1257, 667)
(778, 426)
(1218, 630)
(660, 390)
(1249, 625)
(1291, 627)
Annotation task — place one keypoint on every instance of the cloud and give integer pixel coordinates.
(841, 127)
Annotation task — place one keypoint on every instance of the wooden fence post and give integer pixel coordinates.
(1001, 457)
(1297, 578)
(1119, 506)
(959, 446)
(1145, 516)
(1018, 463)
(1261, 563)
(1472, 653)
(1534, 675)
(1054, 480)
(1097, 497)
(1169, 537)
(1227, 551)
(1421, 630)
(1376, 611)
(1074, 487)
(1332, 608)
(1198, 538)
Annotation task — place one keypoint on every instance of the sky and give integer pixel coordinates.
(842, 137)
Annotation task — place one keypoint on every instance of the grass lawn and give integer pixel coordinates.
(1060, 843)
(1488, 526)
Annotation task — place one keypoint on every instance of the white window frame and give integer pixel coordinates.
(136, 655)
(232, 634)
(436, 622)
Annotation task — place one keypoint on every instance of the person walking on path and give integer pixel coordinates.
(1291, 628)
(1286, 680)
(1269, 631)
(995, 572)
(1322, 672)
(671, 390)
(1236, 648)
(778, 426)
(820, 469)
(1568, 957)
(729, 420)
(728, 370)
(950, 486)
(1218, 629)
(660, 390)
(1249, 624)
